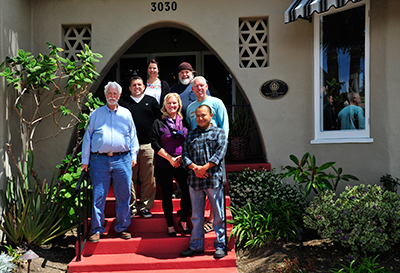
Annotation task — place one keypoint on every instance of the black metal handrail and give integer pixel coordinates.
(82, 217)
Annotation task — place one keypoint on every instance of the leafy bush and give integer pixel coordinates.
(67, 195)
(363, 218)
(257, 226)
(307, 172)
(367, 265)
(6, 264)
(257, 186)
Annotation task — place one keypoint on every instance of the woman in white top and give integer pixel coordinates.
(154, 86)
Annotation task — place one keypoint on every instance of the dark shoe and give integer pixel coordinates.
(190, 252)
(124, 235)
(219, 253)
(171, 234)
(185, 231)
(146, 213)
(94, 238)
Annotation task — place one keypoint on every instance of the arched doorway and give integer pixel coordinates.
(170, 47)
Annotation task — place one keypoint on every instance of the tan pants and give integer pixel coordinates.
(144, 171)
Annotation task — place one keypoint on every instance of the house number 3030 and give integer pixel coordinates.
(161, 6)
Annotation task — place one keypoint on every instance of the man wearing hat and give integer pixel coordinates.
(184, 87)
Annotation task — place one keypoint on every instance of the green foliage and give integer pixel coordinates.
(13, 253)
(389, 183)
(307, 172)
(67, 195)
(293, 266)
(364, 218)
(50, 80)
(257, 226)
(256, 186)
(30, 215)
(368, 265)
(6, 263)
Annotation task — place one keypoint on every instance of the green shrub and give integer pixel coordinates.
(257, 186)
(307, 172)
(67, 195)
(30, 215)
(257, 226)
(363, 218)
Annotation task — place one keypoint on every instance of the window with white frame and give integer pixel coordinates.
(342, 75)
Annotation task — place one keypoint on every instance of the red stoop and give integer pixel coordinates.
(150, 249)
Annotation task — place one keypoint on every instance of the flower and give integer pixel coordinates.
(338, 231)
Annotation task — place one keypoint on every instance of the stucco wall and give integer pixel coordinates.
(287, 125)
(15, 21)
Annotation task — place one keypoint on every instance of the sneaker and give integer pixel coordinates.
(146, 213)
(190, 252)
(132, 214)
(124, 235)
(219, 253)
(94, 238)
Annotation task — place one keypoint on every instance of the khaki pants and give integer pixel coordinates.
(144, 171)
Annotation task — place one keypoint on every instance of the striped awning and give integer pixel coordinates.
(305, 8)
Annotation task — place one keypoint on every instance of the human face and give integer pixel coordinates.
(112, 96)
(200, 89)
(136, 88)
(152, 70)
(172, 106)
(185, 76)
(203, 117)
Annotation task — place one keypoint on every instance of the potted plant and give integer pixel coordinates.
(240, 127)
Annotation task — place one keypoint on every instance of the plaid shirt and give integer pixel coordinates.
(200, 147)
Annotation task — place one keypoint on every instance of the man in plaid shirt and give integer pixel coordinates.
(203, 152)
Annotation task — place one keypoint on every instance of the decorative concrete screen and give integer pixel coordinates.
(75, 38)
(253, 43)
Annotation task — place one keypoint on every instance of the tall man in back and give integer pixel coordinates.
(144, 109)
(109, 148)
(220, 119)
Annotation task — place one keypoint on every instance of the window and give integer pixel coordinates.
(342, 76)
(75, 38)
(253, 42)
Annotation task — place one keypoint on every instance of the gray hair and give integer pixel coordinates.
(200, 78)
(113, 85)
(351, 95)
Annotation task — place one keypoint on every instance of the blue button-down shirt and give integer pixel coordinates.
(110, 131)
(200, 147)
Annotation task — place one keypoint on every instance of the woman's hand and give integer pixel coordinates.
(175, 161)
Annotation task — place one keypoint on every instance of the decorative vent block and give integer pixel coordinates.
(253, 42)
(75, 38)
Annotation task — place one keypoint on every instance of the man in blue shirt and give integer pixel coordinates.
(204, 150)
(109, 148)
(352, 117)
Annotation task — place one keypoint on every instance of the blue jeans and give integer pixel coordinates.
(215, 197)
(102, 168)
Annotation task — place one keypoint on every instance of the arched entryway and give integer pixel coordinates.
(171, 46)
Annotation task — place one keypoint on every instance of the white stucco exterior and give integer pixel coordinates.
(286, 125)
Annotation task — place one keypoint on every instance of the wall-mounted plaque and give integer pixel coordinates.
(274, 89)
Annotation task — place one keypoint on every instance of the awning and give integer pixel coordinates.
(305, 8)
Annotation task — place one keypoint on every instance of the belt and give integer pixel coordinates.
(111, 153)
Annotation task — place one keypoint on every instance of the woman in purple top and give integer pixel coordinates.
(167, 139)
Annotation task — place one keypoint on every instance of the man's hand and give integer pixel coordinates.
(133, 163)
(84, 167)
(200, 171)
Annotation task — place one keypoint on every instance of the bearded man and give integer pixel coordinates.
(184, 87)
